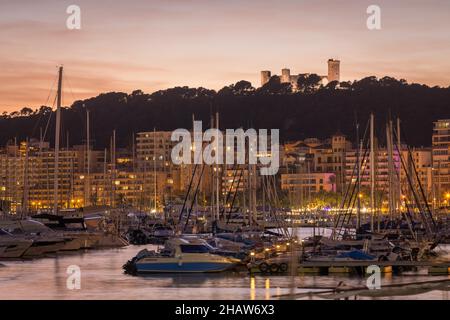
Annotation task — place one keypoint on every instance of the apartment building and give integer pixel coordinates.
(441, 159)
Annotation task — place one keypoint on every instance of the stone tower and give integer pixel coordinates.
(265, 77)
(285, 75)
(334, 70)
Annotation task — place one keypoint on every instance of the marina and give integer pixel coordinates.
(102, 277)
(151, 172)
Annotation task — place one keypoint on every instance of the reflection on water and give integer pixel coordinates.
(102, 278)
(267, 286)
(252, 288)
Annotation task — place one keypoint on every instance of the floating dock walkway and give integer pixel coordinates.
(359, 267)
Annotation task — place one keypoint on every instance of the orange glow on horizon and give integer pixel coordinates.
(155, 44)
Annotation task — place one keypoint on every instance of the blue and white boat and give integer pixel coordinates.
(180, 255)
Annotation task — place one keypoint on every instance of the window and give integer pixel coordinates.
(193, 248)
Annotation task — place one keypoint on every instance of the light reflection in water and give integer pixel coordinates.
(252, 288)
(267, 297)
(102, 278)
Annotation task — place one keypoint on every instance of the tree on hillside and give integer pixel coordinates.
(316, 114)
(243, 87)
(346, 85)
(308, 83)
(137, 93)
(274, 86)
(332, 85)
(391, 82)
(44, 110)
(366, 83)
(26, 111)
(239, 88)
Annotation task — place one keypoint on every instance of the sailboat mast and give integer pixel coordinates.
(372, 172)
(113, 169)
(391, 185)
(249, 186)
(25, 181)
(358, 179)
(392, 190)
(217, 169)
(57, 136)
(154, 170)
(213, 173)
(88, 155)
(15, 174)
(399, 150)
(133, 151)
(392, 174)
(104, 178)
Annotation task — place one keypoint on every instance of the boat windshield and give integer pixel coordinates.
(4, 233)
(193, 248)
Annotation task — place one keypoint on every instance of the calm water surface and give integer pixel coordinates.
(102, 277)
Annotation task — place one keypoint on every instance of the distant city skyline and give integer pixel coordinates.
(155, 44)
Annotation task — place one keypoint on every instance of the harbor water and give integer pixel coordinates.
(102, 277)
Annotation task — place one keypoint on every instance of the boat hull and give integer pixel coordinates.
(14, 250)
(110, 241)
(39, 248)
(186, 267)
(71, 245)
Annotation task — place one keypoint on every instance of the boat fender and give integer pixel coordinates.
(283, 267)
(263, 267)
(274, 268)
(180, 260)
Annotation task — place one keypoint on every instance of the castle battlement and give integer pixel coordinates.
(286, 77)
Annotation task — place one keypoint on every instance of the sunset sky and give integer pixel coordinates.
(156, 44)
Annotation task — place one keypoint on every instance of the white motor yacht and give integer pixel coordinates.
(180, 256)
(12, 247)
(44, 240)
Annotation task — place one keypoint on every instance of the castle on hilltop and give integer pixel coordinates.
(286, 77)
